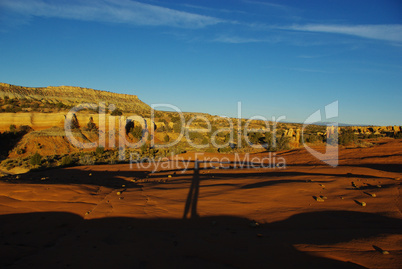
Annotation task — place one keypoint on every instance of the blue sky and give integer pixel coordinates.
(279, 58)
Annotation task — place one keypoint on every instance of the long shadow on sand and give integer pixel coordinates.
(116, 178)
(396, 168)
(65, 240)
(62, 240)
(111, 179)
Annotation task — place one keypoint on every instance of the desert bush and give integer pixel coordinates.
(91, 126)
(282, 143)
(36, 159)
(195, 135)
(369, 136)
(60, 105)
(13, 128)
(24, 129)
(162, 129)
(398, 135)
(177, 127)
(144, 149)
(166, 138)
(74, 124)
(99, 150)
(136, 132)
(364, 144)
(116, 112)
(66, 161)
(225, 150)
(254, 137)
(175, 119)
(312, 138)
(86, 159)
(276, 143)
(347, 137)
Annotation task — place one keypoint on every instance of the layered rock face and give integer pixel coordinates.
(67, 95)
(73, 95)
(37, 121)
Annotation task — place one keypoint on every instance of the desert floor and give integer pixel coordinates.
(239, 216)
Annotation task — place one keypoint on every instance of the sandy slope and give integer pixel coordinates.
(98, 216)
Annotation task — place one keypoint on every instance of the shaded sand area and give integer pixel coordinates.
(116, 216)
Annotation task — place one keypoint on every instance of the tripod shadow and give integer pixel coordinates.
(192, 197)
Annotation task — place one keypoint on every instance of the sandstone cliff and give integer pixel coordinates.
(74, 95)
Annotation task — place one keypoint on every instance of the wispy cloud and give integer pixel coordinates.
(116, 11)
(213, 9)
(387, 32)
(267, 4)
(236, 39)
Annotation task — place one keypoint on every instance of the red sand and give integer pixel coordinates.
(247, 218)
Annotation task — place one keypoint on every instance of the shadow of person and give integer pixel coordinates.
(192, 197)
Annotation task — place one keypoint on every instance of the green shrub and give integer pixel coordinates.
(60, 105)
(136, 132)
(166, 138)
(74, 124)
(177, 127)
(86, 159)
(282, 143)
(100, 150)
(66, 161)
(347, 137)
(36, 159)
(313, 138)
(144, 149)
(91, 126)
(13, 128)
(276, 143)
(175, 119)
(116, 112)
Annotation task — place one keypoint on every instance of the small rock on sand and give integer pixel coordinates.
(253, 223)
(371, 194)
(360, 203)
(318, 199)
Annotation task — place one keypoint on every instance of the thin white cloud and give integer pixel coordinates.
(387, 32)
(213, 9)
(236, 39)
(116, 11)
(272, 5)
